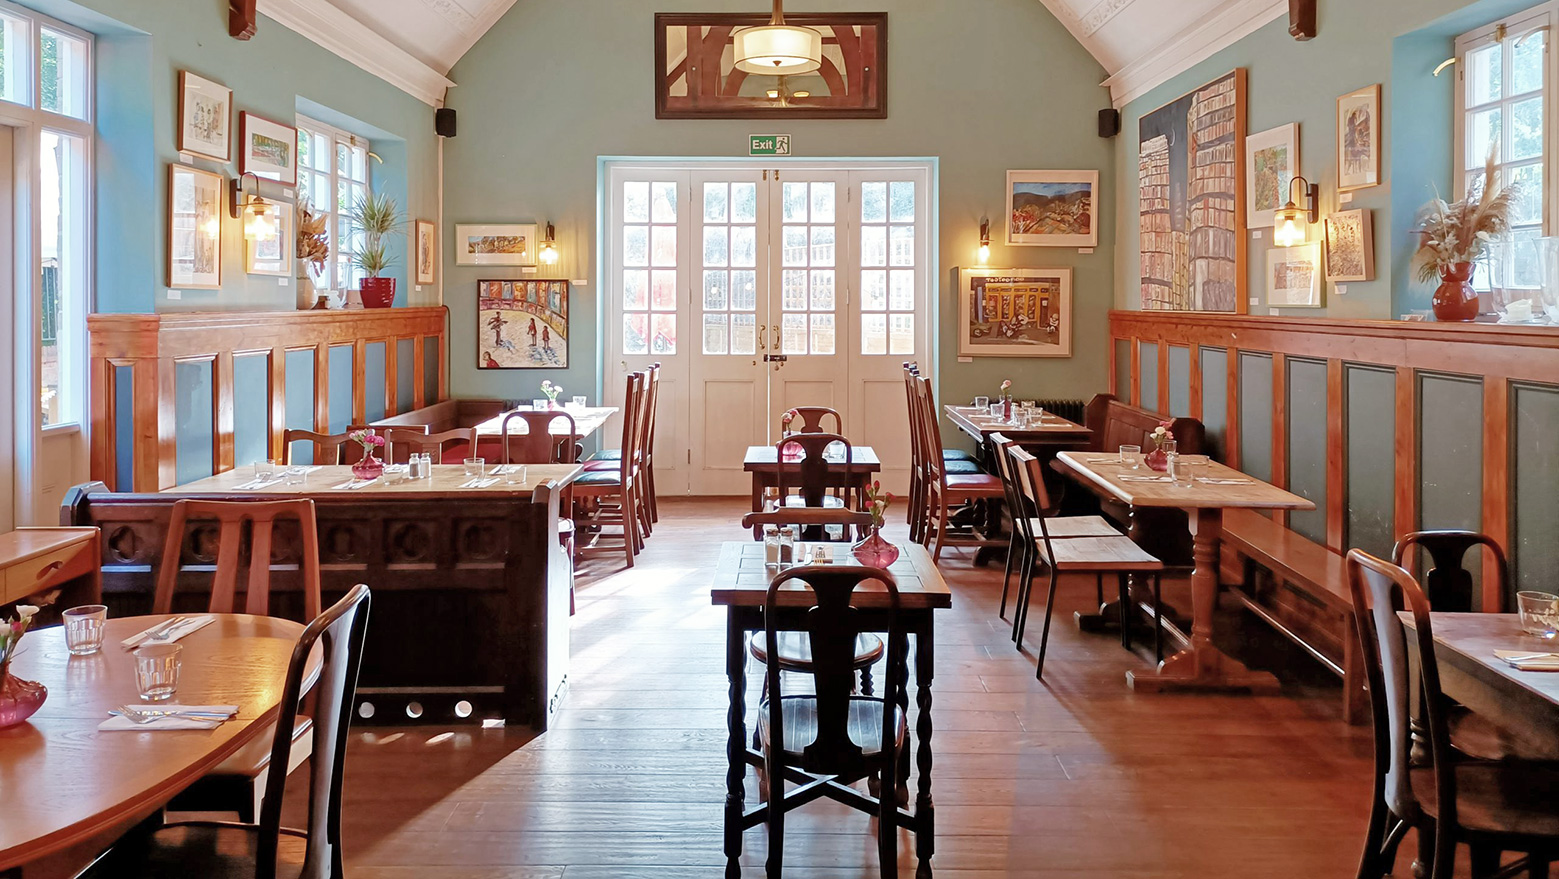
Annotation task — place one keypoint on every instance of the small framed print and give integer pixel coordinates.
(1358, 139)
(501, 244)
(273, 257)
(426, 249)
(1294, 276)
(1052, 208)
(1271, 163)
(1350, 246)
(1014, 312)
(205, 117)
(270, 149)
(194, 228)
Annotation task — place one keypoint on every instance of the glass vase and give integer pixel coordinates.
(875, 552)
(368, 468)
(19, 699)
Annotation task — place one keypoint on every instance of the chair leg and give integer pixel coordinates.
(1044, 635)
(630, 538)
(1006, 577)
(776, 822)
(1123, 583)
(1484, 860)
(866, 681)
(1098, 589)
(941, 529)
(887, 821)
(654, 503)
(1158, 617)
(1020, 608)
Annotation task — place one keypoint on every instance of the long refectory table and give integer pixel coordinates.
(471, 585)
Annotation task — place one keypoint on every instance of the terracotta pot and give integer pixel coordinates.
(19, 699)
(378, 292)
(874, 551)
(368, 468)
(1454, 299)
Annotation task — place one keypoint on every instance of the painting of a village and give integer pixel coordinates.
(522, 324)
(1015, 312)
(1052, 208)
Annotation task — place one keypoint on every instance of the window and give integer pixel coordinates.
(1502, 111)
(888, 267)
(333, 176)
(63, 276)
(649, 259)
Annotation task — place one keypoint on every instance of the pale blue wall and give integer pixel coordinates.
(554, 86)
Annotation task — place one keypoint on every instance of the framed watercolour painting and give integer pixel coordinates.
(1014, 312)
(522, 324)
(1271, 162)
(509, 244)
(1350, 246)
(425, 246)
(194, 228)
(205, 117)
(1294, 276)
(273, 257)
(1358, 139)
(1052, 208)
(267, 149)
(1191, 200)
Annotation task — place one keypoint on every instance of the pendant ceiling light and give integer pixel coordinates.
(778, 48)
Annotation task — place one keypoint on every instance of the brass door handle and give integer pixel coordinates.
(776, 337)
(762, 339)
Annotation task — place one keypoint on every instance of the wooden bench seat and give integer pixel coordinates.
(1306, 597)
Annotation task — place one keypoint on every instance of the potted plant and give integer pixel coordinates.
(19, 699)
(312, 249)
(1457, 235)
(377, 216)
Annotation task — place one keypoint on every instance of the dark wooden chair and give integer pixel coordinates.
(612, 490)
(266, 850)
(328, 448)
(401, 443)
(808, 473)
(812, 419)
(828, 739)
(1116, 555)
(538, 444)
(238, 784)
(1493, 807)
(647, 464)
(942, 490)
(954, 461)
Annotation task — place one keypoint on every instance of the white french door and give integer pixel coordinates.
(759, 289)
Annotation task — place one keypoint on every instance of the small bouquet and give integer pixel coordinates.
(877, 503)
(552, 391)
(1006, 399)
(11, 632)
(1161, 434)
(368, 439)
(1158, 459)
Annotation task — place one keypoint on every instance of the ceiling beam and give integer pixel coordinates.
(340, 33)
(1301, 19)
(241, 17)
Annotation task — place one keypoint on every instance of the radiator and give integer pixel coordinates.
(1071, 410)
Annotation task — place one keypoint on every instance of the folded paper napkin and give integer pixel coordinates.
(257, 484)
(1143, 478)
(1528, 660)
(118, 723)
(192, 624)
(1213, 480)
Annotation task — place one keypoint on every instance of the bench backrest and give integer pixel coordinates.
(1116, 423)
(448, 415)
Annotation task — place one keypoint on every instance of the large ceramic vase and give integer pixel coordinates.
(368, 468)
(1454, 299)
(874, 551)
(19, 699)
(378, 292)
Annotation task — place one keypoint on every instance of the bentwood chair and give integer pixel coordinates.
(238, 783)
(943, 490)
(223, 850)
(1116, 554)
(813, 419)
(333, 448)
(538, 444)
(829, 738)
(612, 490)
(808, 469)
(1493, 807)
(401, 443)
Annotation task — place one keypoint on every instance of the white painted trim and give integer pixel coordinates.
(352, 40)
(1217, 30)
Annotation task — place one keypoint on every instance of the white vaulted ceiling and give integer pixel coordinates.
(414, 43)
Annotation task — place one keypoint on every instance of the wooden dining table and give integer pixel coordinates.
(764, 465)
(1201, 665)
(587, 420)
(1051, 429)
(65, 783)
(741, 586)
(1526, 702)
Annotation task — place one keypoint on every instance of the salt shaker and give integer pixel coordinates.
(787, 545)
(414, 467)
(427, 465)
(770, 545)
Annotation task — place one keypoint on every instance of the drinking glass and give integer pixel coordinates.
(1539, 613)
(1188, 468)
(296, 475)
(157, 671)
(515, 475)
(1169, 447)
(1037, 414)
(475, 467)
(1024, 412)
(265, 470)
(539, 403)
(982, 402)
(84, 629)
(579, 402)
(1131, 456)
(995, 410)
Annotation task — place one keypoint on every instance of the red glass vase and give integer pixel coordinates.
(368, 468)
(875, 552)
(1157, 459)
(1454, 299)
(19, 699)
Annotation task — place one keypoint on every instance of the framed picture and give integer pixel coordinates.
(273, 257)
(270, 149)
(1358, 139)
(194, 228)
(205, 117)
(426, 248)
(1052, 208)
(522, 324)
(1350, 246)
(1294, 276)
(1271, 163)
(1191, 200)
(1014, 312)
(511, 244)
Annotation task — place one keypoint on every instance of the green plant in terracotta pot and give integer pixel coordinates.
(377, 216)
(1454, 236)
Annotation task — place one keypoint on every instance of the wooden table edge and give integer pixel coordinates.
(1065, 459)
(1485, 665)
(69, 535)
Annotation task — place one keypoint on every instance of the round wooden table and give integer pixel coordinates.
(64, 782)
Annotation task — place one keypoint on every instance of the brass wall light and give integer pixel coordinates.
(1291, 223)
(261, 218)
(549, 250)
(985, 240)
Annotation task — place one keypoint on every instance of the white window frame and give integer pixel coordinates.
(333, 278)
(1509, 30)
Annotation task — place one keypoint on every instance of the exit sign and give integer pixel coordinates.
(768, 144)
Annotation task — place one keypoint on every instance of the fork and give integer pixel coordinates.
(148, 715)
(165, 631)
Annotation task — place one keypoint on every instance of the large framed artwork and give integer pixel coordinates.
(1271, 163)
(1358, 139)
(696, 75)
(194, 228)
(1191, 200)
(505, 244)
(273, 257)
(522, 324)
(1294, 276)
(426, 249)
(269, 149)
(1014, 312)
(205, 117)
(1350, 246)
(1052, 208)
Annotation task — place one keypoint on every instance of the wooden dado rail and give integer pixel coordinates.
(1439, 410)
(152, 345)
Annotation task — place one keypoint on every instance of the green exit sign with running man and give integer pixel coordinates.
(768, 144)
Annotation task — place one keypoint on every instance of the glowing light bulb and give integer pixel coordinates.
(985, 253)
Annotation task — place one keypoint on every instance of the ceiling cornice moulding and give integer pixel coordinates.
(1218, 30)
(345, 36)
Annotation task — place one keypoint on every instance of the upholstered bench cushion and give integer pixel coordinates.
(600, 477)
(956, 455)
(606, 455)
(961, 466)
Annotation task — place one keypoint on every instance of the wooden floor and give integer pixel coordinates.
(1076, 777)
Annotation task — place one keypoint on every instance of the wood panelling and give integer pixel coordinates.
(1367, 460)
(1306, 438)
(1145, 390)
(1255, 405)
(1210, 400)
(1179, 381)
(1534, 462)
(146, 351)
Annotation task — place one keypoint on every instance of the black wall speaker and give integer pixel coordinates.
(1109, 122)
(444, 122)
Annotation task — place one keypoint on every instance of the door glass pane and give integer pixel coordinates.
(822, 334)
(716, 245)
(794, 334)
(716, 202)
(874, 245)
(663, 290)
(636, 289)
(636, 334)
(874, 202)
(823, 290)
(795, 243)
(636, 245)
(636, 202)
(794, 285)
(744, 202)
(822, 245)
(663, 245)
(874, 334)
(716, 334)
(663, 330)
(663, 202)
(889, 241)
(744, 291)
(795, 202)
(744, 246)
(874, 290)
(901, 201)
(902, 338)
(716, 296)
(1526, 62)
(901, 290)
(823, 202)
(744, 334)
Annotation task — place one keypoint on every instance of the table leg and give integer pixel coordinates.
(757, 504)
(925, 811)
(736, 744)
(1202, 665)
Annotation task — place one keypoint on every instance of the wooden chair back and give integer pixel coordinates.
(812, 419)
(915, 452)
(538, 444)
(231, 516)
(811, 519)
(930, 431)
(633, 424)
(832, 624)
(811, 471)
(1448, 583)
(1028, 475)
(328, 448)
(651, 405)
(1116, 423)
(401, 443)
(339, 634)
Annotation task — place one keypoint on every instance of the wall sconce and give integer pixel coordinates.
(549, 251)
(985, 240)
(1291, 223)
(261, 218)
